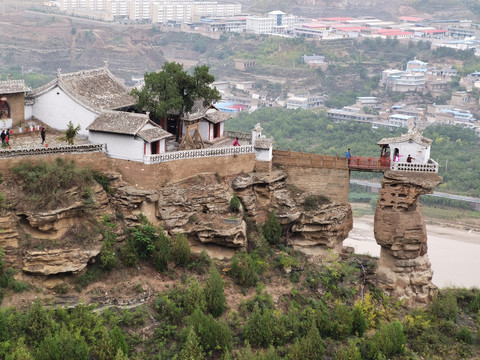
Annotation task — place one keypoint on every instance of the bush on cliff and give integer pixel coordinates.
(180, 250)
(44, 184)
(245, 268)
(235, 204)
(149, 243)
(272, 229)
(214, 294)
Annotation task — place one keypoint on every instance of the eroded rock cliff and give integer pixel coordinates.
(404, 269)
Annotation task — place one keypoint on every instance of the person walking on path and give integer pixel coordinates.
(2, 135)
(235, 142)
(42, 134)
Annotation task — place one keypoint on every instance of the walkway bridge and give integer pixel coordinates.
(382, 164)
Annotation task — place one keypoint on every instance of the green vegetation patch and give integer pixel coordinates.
(44, 184)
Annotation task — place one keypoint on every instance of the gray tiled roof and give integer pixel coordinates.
(263, 143)
(119, 122)
(209, 113)
(215, 116)
(153, 134)
(13, 87)
(97, 89)
(414, 136)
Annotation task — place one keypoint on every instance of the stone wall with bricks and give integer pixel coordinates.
(317, 174)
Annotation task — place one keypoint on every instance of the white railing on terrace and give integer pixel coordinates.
(430, 167)
(53, 150)
(194, 154)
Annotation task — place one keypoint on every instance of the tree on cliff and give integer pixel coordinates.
(173, 91)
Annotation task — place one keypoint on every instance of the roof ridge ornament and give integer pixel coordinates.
(105, 64)
(59, 72)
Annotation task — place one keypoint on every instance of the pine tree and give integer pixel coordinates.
(192, 350)
(272, 229)
(214, 295)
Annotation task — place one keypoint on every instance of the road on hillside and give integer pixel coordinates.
(435, 193)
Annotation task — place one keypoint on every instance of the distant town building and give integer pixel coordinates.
(400, 120)
(412, 79)
(338, 115)
(148, 10)
(305, 102)
(242, 64)
(274, 22)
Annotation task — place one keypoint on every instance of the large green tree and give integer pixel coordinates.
(173, 91)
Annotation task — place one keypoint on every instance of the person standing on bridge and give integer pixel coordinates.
(348, 155)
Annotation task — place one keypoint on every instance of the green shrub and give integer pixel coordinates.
(465, 335)
(445, 306)
(108, 259)
(118, 340)
(312, 202)
(235, 204)
(194, 297)
(128, 253)
(161, 253)
(192, 350)
(213, 336)
(245, 268)
(102, 179)
(387, 341)
(340, 325)
(63, 345)
(70, 133)
(310, 347)
(20, 351)
(180, 250)
(350, 352)
(474, 305)
(214, 294)
(45, 183)
(359, 324)
(258, 328)
(169, 309)
(272, 229)
(39, 323)
(199, 262)
(94, 273)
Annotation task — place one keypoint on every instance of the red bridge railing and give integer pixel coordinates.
(369, 163)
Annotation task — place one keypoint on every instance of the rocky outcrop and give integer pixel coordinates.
(324, 228)
(404, 269)
(61, 240)
(199, 208)
(309, 229)
(56, 261)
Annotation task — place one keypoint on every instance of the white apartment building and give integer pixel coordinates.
(156, 11)
(275, 22)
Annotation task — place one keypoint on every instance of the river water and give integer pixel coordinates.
(453, 252)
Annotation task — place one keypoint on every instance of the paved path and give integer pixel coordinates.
(33, 140)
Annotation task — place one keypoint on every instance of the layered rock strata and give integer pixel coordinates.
(404, 269)
(310, 229)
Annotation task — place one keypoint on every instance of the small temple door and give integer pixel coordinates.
(155, 148)
(216, 130)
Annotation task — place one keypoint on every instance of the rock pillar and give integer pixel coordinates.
(404, 269)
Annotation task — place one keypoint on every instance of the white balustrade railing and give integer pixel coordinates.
(35, 151)
(194, 154)
(430, 167)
